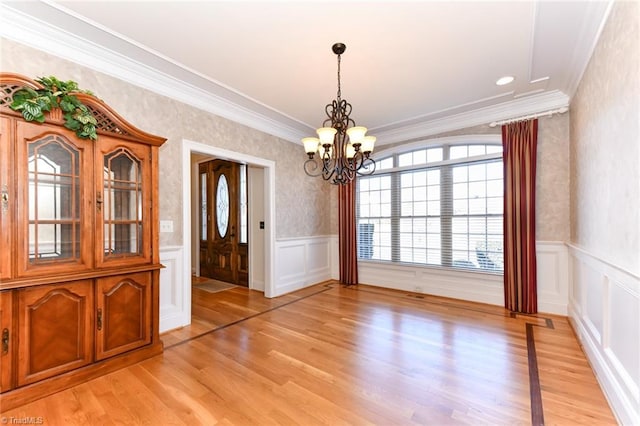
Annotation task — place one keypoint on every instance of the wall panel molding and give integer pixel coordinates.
(172, 314)
(553, 280)
(604, 309)
(302, 262)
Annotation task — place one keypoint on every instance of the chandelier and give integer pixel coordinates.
(343, 148)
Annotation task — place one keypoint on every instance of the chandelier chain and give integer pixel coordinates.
(339, 89)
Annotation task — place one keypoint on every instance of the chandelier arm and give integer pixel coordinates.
(369, 165)
(312, 168)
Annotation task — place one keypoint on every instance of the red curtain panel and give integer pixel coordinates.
(347, 233)
(519, 141)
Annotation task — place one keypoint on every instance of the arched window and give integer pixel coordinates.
(436, 203)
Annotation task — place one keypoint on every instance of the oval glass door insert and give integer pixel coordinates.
(222, 205)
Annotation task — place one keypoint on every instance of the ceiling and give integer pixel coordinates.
(410, 68)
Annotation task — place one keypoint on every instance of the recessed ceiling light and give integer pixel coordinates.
(504, 80)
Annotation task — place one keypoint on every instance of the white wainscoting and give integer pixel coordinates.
(474, 286)
(301, 262)
(172, 303)
(604, 308)
(553, 277)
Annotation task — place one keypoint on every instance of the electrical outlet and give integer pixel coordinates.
(166, 226)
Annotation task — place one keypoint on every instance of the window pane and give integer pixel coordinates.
(420, 208)
(458, 152)
(494, 188)
(460, 174)
(420, 178)
(385, 182)
(459, 225)
(434, 155)
(476, 150)
(477, 172)
(494, 170)
(387, 163)
(419, 157)
(477, 189)
(433, 177)
(405, 159)
(433, 192)
(460, 190)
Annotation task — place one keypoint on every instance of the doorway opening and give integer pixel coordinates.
(260, 229)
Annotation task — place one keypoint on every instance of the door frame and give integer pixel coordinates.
(191, 147)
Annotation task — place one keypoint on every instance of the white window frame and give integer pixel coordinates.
(494, 139)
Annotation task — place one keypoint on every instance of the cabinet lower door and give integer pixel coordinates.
(8, 340)
(123, 313)
(55, 328)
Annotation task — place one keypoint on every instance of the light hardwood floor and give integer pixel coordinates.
(334, 355)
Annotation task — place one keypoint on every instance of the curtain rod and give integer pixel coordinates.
(549, 113)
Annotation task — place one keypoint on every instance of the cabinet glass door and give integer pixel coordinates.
(54, 200)
(123, 204)
(52, 204)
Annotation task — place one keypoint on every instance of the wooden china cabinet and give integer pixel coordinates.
(79, 262)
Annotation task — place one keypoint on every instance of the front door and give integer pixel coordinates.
(223, 227)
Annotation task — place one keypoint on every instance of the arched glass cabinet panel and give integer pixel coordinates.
(53, 200)
(122, 204)
(222, 205)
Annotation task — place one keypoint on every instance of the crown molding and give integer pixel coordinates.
(174, 81)
(533, 104)
(596, 17)
(203, 93)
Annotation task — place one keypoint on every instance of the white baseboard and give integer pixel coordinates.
(604, 308)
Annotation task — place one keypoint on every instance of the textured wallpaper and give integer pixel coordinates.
(303, 204)
(605, 140)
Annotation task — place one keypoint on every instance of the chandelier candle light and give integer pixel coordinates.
(343, 151)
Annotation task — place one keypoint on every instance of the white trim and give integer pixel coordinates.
(189, 147)
(552, 277)
(34, 29)
(175, 82)
(171, 292)
(610, 353)
(475, 286)
(522, 106)
(304, 261)
(595, 18)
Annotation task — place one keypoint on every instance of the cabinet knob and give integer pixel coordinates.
(99, 319)
(5, 341)
(99, 200)
(5, 198)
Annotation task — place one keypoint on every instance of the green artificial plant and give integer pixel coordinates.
(33, 103)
